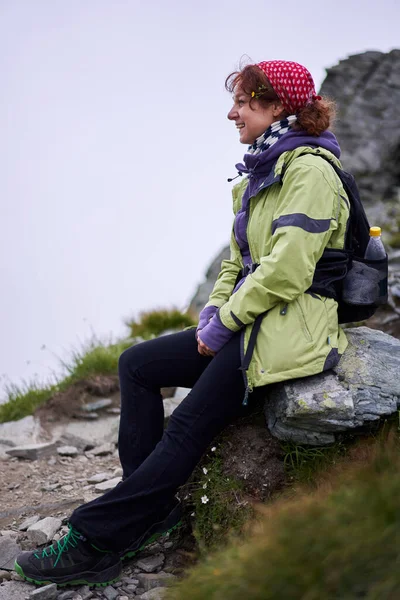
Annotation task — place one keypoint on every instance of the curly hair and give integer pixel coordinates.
(313, 118)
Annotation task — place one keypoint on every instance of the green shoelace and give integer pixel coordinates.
(71, 539)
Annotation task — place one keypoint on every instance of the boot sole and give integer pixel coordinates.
(108, 577)
(150, 540)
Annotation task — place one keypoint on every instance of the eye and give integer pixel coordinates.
(241, 102)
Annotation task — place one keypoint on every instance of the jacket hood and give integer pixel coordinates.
(259, 165)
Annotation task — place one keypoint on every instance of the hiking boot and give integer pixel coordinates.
(171, 522)
(70, 561)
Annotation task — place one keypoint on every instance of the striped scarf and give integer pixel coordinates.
(272, 135)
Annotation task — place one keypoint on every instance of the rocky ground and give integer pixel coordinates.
(45, 481)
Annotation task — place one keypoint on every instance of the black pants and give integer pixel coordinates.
(156, 462)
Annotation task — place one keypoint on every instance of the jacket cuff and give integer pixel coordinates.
(215, 335)
(229, 319)
(205, 316)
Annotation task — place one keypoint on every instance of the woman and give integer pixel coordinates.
(262, 324)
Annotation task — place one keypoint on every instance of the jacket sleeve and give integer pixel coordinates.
(304, 218)
(226, 279)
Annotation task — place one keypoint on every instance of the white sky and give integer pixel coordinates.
(115, 149)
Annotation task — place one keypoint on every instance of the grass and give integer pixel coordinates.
(94, 358)
(339, 540)
(155, 322)
(219, 509)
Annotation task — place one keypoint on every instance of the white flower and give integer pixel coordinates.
(205, 471)
(192, 514)
(205, 485)
(204, 499)
(213, 449)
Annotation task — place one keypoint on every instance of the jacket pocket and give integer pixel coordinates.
(297, 304)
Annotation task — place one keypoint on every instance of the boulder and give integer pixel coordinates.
(362, 389)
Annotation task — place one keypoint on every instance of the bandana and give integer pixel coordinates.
(271, 135)
(292, 83)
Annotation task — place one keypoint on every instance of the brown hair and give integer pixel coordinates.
(314, 118)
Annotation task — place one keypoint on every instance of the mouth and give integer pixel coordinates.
(239, 125)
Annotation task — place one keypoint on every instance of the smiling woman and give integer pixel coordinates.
(263, 323)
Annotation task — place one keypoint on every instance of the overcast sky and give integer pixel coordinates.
(115, 150)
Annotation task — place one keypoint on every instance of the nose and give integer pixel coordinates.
(233, 113)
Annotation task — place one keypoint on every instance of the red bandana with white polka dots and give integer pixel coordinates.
(292, 83)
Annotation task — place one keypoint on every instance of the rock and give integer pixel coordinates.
(68, 595)
(15, 590)
(33, 451)
(5, 575)
(107, 485)
(171, 403)
(9, 533)
(154, 594)
(24, 431)
(363, 388)
(9, 550)
(97, 404)
(204, 289)
(117, 472)
(113, 411)
(103, 450)
(48, 592)
(91, 416)
(366, 88)
(84, 592)
(44, 530)
(110, 593)
(81, 443)
(151, 563)
(99, 478)
(67, 450)
(149, 581)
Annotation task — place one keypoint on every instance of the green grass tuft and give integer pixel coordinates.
(219, 507)
(338, 542)
(155, 322)
(95, 358)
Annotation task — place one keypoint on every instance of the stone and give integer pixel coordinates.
(9, 533)
(107, 485)
(110, 593)
(149, 581)
(24, 431)
(91, 416)
(97, 404)
(85, 592)
(47, 592)
(113, 411)
(5, 575)
(151, 563)
(99, 478)
(362, 388)
(9, 550)
(44, 530)
(171, 403)
(15, 590)
(154, 594)
(67, 451)
(32, 451)
(68, 595)
(117, 472)
(103, 450)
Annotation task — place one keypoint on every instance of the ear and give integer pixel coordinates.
(277, 109)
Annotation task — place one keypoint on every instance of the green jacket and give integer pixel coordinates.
(290, 225)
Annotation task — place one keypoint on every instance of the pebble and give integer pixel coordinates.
(151, 563)
(68, 451)
(103, 450)
(5, 575)
(48, 592)
(107, 485)
(100, 477)
(154, 594)
(44, 530)
(153, 580)
(110, 593)
(66, 595)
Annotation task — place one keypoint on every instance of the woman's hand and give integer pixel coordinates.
(202, 348)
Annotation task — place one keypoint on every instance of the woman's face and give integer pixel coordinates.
(252, 122)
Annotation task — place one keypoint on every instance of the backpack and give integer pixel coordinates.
(358, 285)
